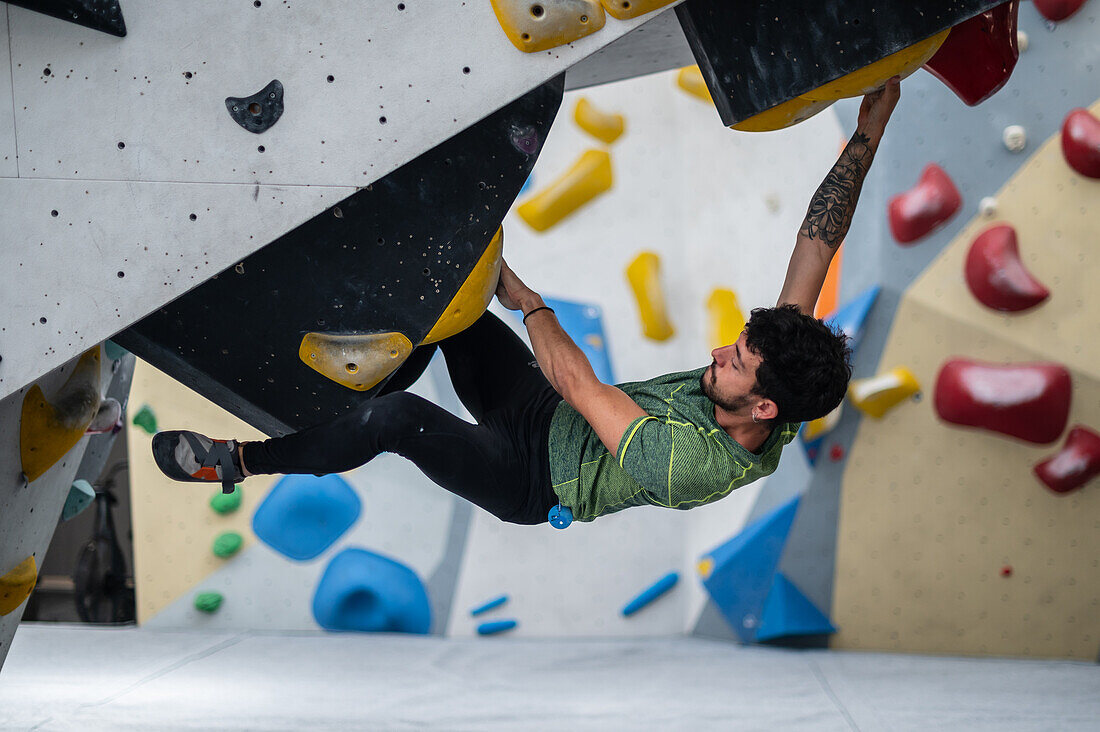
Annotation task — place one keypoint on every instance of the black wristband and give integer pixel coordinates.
(535, 310)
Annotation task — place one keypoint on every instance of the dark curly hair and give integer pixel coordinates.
(805, 365)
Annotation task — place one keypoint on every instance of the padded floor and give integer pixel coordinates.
(81, 678)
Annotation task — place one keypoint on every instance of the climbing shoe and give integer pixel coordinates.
(189, 456)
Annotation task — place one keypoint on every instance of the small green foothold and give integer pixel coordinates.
(226, 502)
(146, 420)
(227, 544)
(208, 602)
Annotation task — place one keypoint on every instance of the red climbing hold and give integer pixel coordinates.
(1006, 571)
(915, 213)
(836, 452)
(1027, 400)
(1081, 142)
(1076, 463)
(979, 55)
(1058, 9)
(996, 275)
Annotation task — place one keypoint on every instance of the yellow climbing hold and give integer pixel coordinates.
(690, 79)
(356, 361)
(537, 26)
(704, 567)
(627, 9)
(644, 276)
(820, 426)
(589, 177)
(474, 296)
(602, 126)
(874, 75)
(16, 585)
(48, 430)
(877, 395)
(790, 112)
(726, 318)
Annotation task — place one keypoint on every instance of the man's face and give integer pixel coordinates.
(728, 382)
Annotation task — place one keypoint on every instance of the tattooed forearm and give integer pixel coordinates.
(830, 212)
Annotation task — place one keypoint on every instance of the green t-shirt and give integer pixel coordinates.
(676, 457)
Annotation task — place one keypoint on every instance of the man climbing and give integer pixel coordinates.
(549, 434)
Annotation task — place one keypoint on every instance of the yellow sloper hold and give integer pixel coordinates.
(690, 79)
(857, 83)
(627, 9)
(789, 113)
(604, 127)
(355, 361)
(874, 75)
(877, 395)
(726, 319)
(16, 585)
(644, 276)
(474, 296)
(537, 26)
(820, 426)
(589, 177)
(49, 430)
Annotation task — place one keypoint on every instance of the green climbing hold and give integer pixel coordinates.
(226, 502)
(113, 350)
(227, 544)
(208, 602)
(146, 420)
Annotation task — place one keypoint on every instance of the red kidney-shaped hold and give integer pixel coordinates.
(997, 277)
(1076, 463)
(1057, 9)
(1081, 142)
(979, 54)
(930, 203)
(1029, 401)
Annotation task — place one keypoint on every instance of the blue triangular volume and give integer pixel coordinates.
(787, 612)
(849, 318)
(584, 324)
(812, 447)
(744, 569)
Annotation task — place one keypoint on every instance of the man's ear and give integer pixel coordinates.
(767, 409)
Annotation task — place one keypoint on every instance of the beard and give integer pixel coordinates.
(708, 382)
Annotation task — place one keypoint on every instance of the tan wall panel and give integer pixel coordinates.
(173, 524)
(930, 512)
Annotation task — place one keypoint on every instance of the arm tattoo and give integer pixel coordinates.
(831, 209)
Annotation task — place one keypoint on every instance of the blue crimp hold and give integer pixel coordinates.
(497, 602)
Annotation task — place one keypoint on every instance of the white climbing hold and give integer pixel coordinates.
(1015, 138)
(987, 207)
(1021, 40)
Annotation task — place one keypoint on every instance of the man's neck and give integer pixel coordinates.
(750, 435)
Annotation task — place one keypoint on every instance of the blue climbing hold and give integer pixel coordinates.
(651, 593)
(849, 318)
(788, 612)
(367, 592)
(741, 572)
(584, 325)
(486, 607)
(495, 626)
(81, 495)
(303, 514)
(560, 516)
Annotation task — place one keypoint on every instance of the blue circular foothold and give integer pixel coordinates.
(560, 516)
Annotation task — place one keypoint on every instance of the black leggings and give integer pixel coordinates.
(501, 463)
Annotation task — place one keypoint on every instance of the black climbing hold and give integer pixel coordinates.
(100, 15)
(260, 111)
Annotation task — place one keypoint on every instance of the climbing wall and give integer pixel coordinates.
(951, 544)
(676, 190)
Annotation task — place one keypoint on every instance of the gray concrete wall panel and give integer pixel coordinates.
(9, 166)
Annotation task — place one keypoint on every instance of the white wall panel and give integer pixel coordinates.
(61, 290)
(430, 69)
(8, 165)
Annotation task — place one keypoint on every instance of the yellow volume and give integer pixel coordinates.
(726, 319)
(537, 26)
(604, 127)
(877, 395)
(49, 430)
(357, 361)
(474, 296)
(16, 585)
(627, 9)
